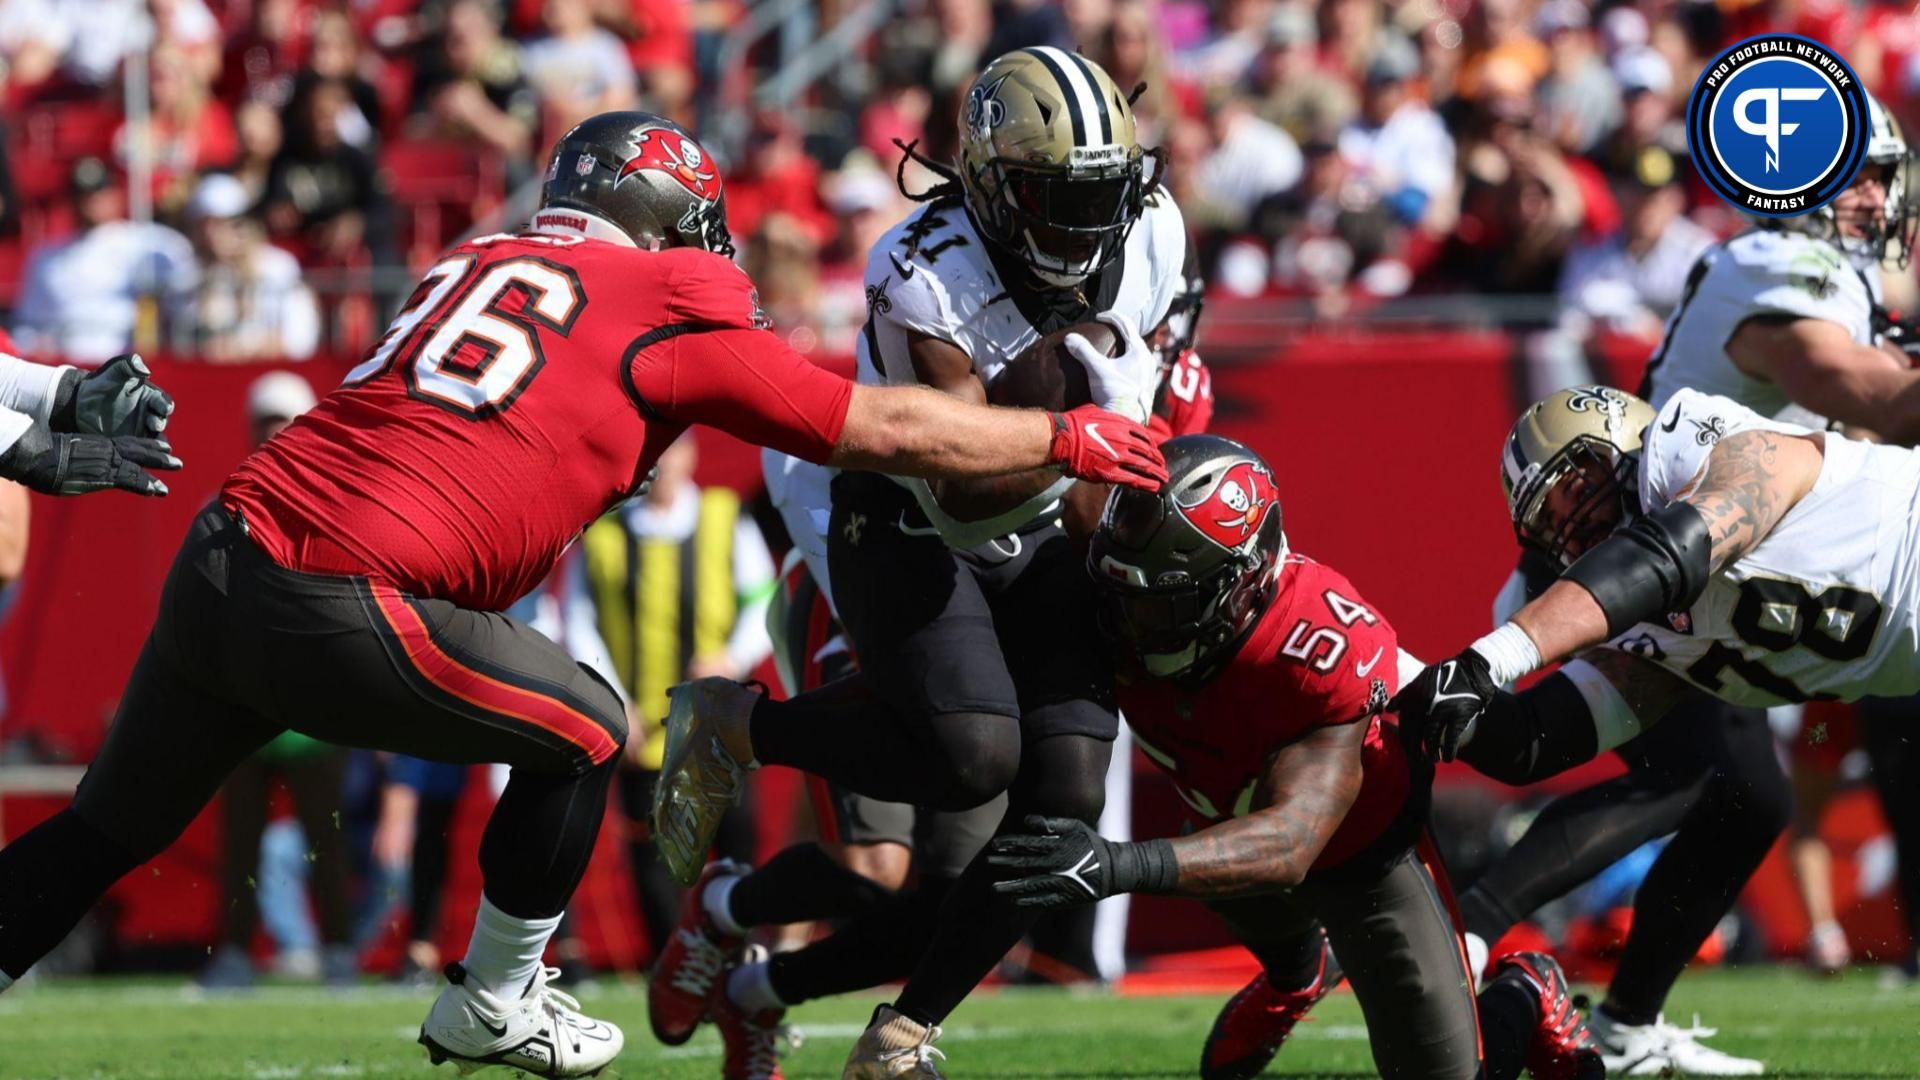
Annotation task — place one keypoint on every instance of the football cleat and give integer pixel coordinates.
(894, 1048)
(542, 1032)
(1563, 1048)
(699, 779)
(750, 1042)
(1256, 1021)
(1663, 1049)
(684, 974)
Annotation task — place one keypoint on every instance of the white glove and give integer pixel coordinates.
(1123, 384)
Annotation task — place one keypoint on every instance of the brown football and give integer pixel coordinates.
(1046, 376)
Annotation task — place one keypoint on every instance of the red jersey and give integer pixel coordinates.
(527, 387)
(1319, 657)
(1184, 403)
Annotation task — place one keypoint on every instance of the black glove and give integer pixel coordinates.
(1441, 703)
(54, 463)
(1063, 862)
(117, 398)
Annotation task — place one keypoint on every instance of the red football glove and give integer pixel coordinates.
(1093, 444)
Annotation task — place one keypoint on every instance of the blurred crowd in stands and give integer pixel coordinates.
(305, 155)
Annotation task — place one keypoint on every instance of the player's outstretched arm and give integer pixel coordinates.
(915, 431)
(1593, 704)
(1819, 366)
(1309, 786)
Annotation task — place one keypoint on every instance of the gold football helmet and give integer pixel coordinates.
(1569, 468)
(1050, 163)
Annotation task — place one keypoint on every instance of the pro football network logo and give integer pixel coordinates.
(1777, 125)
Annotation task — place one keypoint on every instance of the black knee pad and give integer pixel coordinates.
(1062, 776)
(980, 757)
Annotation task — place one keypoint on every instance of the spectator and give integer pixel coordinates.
(83, 297)
(1239, 32)
(1497, 34)
(1295, 92)
(1250, 161)
(101, 33)
(866, 203)
(471, 86)
(659, 48)
(1019, 24)
(312, 773)
(1131, 52)
(257, 126)
(1579, 101)
(578, 69)
(334, 54)
(1327, 231)
(261, 58)
(1630, 281)
(1351, 35)
(250, 302)
(1398, 146)
(1522, 209)
(322, 192)
(777, 176)
(32, 41)
(1648, 118)
(187, 132)
(661, 626)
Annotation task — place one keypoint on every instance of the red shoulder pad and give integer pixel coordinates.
(1343, 653)
(710, 290)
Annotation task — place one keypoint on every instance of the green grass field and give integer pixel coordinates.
(149, 1030)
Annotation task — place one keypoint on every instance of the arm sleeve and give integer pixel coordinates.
(711, 363)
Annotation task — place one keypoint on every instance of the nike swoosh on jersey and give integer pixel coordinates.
(1093, 432)
(1362, 669)
(1673, 423)
(905, 270)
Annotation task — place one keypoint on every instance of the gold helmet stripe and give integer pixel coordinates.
(1080, 97)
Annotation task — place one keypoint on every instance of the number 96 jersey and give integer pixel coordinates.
(527, 387)
(1319, 657)
(1824, 606)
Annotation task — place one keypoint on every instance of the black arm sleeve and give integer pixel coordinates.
(1657, 564)
(1539, 732)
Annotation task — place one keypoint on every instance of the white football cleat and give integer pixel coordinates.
(1663, 1049)
(543, 1032)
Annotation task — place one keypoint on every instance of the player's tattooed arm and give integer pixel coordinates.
(1753, 478)
(1308, 788)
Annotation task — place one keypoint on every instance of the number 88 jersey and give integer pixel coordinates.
(1824, 606)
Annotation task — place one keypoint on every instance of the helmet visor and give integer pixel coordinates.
(1149, 621)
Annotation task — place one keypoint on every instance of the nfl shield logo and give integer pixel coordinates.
(584, 164)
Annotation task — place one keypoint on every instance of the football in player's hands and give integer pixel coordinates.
(1047, 376)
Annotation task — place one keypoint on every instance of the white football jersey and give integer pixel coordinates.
(799, 490)
(1827, 605)
(932, 274)
(1757, 273)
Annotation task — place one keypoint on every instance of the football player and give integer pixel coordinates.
(64, 431)
(1759, 561)
(966, 603)
(883, 866)
(346, 582)
(1258, 680)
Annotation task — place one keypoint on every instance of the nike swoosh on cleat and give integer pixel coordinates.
(1362, 669)
(1093, 432)
(498, 1032)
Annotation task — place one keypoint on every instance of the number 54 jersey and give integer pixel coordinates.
(1319, 657)
(527, 387)
(1825, 605)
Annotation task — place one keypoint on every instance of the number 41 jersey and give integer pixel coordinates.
(1825, 605)
(527, 387)
(1319, 657)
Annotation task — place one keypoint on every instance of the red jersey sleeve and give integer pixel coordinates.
(1184, 405)
(710, 363)
(1347, 653)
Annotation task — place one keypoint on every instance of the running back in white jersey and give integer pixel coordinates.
(932, 273)
(1825, 606)
(1761, 273)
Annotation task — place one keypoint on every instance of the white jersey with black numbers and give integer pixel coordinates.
(933, 274)
(1757, 274)
(1827, 605)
